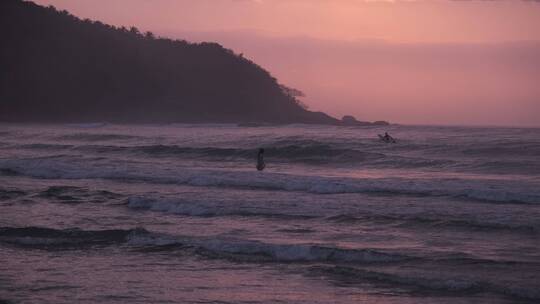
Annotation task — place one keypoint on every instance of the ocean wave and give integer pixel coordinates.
(215, 247)
(436, 222)
(228, 248)
(90, 125)
(256, 251)
(95, 137)
(353, 273)
(418, 283)
(338, 263)
(189, 208)
(77, 194)
(305, 151)
(41, 146)
(487, 190)
(407, 155)
(63, 238)
(7, 193)
(196, 208)
(469, 147)
(298, 253)
(8, 172)
(498, 149)
(411, 162)
(508, 166)
(320, 153)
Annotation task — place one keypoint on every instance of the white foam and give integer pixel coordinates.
(267, 251)
(503, 190)
(170, 206)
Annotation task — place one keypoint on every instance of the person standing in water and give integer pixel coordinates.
(260, 160)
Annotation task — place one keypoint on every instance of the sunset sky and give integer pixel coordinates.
(419, 62)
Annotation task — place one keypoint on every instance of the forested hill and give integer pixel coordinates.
(56, 67)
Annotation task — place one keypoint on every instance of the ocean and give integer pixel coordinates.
(105, 213)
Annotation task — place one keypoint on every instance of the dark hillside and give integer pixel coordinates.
(58, 68)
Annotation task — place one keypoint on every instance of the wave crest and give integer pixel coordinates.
(63, 238)
(499, 191)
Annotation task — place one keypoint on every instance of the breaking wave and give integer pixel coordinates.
(500, 191)
(256, 251)
(215, 209)
(77, 194)
(63, 238)
(37, 237)
(510, 157)
(340, 263)
(7, 193)
(440, 283)
(181, 207)
(318, 153)
(214, 247)
(41, 146)
(434, 222)
(95, 137)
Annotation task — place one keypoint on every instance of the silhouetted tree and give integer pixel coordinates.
(135, 31)
(149, 35)
(294, 95)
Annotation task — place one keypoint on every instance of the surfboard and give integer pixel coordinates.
(391, 140)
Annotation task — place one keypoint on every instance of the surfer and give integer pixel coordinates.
(260, 160)
(387, 138)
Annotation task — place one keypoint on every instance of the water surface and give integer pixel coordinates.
(100, 213)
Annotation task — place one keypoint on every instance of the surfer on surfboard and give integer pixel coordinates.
(387, 138)
(260, 160)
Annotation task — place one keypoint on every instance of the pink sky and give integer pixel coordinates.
(436, 62)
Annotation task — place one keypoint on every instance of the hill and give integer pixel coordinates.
(59, 68)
